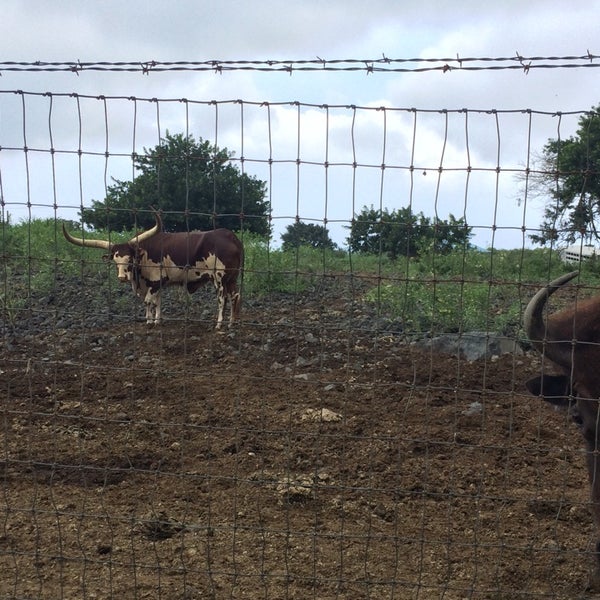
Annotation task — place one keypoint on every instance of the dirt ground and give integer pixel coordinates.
(296, 457)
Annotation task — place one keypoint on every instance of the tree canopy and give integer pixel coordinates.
(307, 234)
(570, 175)
(404, 233)
(194, 185)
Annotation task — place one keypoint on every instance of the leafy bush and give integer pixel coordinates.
(468, 291)
(448, 306)
(268, 270)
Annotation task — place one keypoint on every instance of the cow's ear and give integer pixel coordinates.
(107, 257)
(555, 389)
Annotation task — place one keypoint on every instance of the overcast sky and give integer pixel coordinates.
(338, 29)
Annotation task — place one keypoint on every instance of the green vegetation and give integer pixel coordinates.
(306, 234)
(567, 178)
(193, 183)
(403, 233)
(458, 291)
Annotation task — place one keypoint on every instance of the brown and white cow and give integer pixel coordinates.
(154, 259)
(571, 340)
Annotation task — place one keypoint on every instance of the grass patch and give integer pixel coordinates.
(462, 291)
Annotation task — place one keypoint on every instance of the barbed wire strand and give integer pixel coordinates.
(383, 64)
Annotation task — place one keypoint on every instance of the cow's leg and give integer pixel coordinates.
(149, 315)
(153, 314)
(235, 301)
(157, 309)
(221, 302)
(590, 414)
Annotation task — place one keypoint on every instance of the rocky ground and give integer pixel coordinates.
(312, 452)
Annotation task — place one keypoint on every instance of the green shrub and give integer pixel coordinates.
(471, 290)
(268, 270)
(424, 306)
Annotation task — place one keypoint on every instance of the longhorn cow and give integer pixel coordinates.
(154, 259)
(571, 340)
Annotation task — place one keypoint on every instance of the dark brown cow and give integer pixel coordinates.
(155, 259)
(571, 340)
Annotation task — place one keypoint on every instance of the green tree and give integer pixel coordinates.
(193, 183)
(307, 234)
(569, 174)
(404, 233)
(442, 237)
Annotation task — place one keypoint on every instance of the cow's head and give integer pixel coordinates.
(553, 339)
(126, 255)
(558, 391)
(555, 389)
(123, 255)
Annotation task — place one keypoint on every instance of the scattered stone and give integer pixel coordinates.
(320, 415)
(303, 362)
(473, 345)
(302, 376)
(159, 526)
(475, 408)
(295, 490)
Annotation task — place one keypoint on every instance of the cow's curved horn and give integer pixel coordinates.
(102, 244)
(144, 235)
(535, 326)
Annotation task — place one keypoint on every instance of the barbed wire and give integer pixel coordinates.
(377, 65)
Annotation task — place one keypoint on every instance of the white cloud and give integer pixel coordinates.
(191, 30)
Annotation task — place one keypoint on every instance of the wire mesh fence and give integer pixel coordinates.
(363, 431)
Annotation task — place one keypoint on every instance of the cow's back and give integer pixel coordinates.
(186, 248)
(223, 244)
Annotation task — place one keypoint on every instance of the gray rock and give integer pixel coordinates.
(473, 345)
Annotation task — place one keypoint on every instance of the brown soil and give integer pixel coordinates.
(297, 457)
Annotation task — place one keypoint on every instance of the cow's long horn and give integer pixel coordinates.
(102, 244)
(144, 235)
(535, 326)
